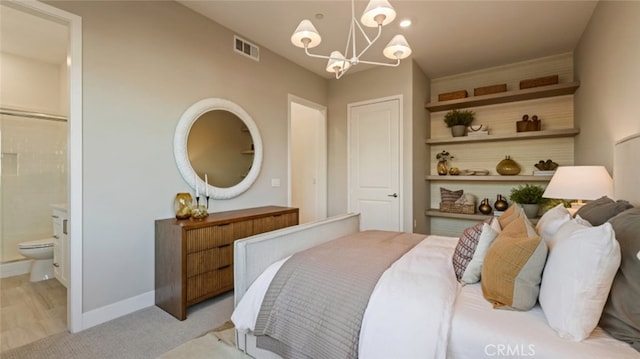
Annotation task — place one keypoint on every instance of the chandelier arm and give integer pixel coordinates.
(369, 41)
(381, 63)
(351, 41)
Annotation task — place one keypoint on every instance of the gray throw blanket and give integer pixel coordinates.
(315, 303)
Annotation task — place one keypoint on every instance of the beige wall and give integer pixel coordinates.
(362, 86)
(607, 63)
(144, 63)
(421, 162)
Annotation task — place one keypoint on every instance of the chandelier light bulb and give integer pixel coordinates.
(378, 12)
(306, 35)
(337, 62)
(397, 49)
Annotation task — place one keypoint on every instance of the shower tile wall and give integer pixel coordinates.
(34, 176)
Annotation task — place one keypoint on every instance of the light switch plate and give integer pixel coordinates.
(275, 182)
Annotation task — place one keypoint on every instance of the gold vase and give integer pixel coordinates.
(508, 167)
(182, 205)
(442, 168)
(199, 212)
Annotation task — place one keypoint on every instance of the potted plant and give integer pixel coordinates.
(529, 197)
(458, 121)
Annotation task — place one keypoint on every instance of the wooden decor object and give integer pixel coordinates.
(452, 95)
(488, 90)
(194, 258)
(540, 81)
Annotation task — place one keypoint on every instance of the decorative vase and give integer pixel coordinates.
(442, 168)
(182, 205)
(458, 130)
(530, 210)
(485, 207)
(501, 203)
(199, 212)
(508, 167)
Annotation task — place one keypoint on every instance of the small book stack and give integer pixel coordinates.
(498, 213)
(478, 133)
(543, 173)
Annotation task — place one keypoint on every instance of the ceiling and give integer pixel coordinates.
(447, 37)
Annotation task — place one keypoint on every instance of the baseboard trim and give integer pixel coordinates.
(14, 268)
(118, 309)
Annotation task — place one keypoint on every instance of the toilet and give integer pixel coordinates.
(41, 252)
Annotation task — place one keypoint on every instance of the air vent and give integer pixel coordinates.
(246, 48)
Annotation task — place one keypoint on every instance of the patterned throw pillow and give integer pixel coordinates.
(448, 196)
(512, 269)
(466, 247)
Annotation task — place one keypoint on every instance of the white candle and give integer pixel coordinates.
(197, 195)
(206, 186)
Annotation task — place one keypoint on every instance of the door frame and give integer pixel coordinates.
(321, 183)
(74, 138)
(399, 98)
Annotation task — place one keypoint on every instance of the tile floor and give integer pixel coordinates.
(30, 311)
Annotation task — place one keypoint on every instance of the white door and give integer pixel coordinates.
(308, 166)
(374, 164)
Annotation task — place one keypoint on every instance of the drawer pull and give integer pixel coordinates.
(224, 245)
(223, 267)
(222, 225)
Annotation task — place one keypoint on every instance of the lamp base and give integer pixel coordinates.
(575, 206)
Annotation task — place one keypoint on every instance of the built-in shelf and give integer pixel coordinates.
(247, 152)
(474, 217)
(569, 132)
(505, 97)
(490, 178)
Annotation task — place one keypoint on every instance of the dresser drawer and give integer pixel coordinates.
(213, 282)
(209, 237)
(270, 223)
(209, 259)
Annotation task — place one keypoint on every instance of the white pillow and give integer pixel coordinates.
(577, 278)
(551, 221)
(474, 268)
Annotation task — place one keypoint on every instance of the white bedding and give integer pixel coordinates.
(479, 331)
(421, 278)
(419, 323)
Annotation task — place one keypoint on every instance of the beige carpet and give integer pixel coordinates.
(219, 343)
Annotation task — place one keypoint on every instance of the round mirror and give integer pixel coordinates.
(218, 148)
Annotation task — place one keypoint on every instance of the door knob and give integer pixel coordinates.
(395, 195)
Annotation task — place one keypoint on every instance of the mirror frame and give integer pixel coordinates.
(181, 154)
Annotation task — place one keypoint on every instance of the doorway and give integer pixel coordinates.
(71, 102)
(374, 166)
(307, 159)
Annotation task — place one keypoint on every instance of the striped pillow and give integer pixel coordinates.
(448, 196)
(466, 247)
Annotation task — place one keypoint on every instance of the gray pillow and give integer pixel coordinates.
(599, 211)
(621, 314)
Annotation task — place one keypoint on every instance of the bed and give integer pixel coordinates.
(474, 328)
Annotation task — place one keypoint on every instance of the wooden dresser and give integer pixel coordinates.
(194, 258)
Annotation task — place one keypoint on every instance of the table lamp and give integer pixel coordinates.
(579, 183)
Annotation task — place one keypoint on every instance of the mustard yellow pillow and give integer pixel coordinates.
(512, 268)
(513, 212)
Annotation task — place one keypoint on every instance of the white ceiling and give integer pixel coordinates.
(447, 37)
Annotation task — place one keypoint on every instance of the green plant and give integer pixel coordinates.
(527, 194)
(457, 117)
(443, 156)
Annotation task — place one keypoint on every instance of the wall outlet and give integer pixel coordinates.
(275, 182)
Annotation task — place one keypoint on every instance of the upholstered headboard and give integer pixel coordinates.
(626, 169)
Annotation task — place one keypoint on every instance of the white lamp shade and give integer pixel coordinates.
(397, 48)
(306, 32)
(580, 182)
(377, 8)
(337, 62)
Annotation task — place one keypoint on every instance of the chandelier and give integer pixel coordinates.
(378, 13)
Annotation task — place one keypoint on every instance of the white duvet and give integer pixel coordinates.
(415, 297)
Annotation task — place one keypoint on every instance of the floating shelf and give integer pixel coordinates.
(247, 152)
(490, 178)
(569, 132)
(473, 217)
(505, 97)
